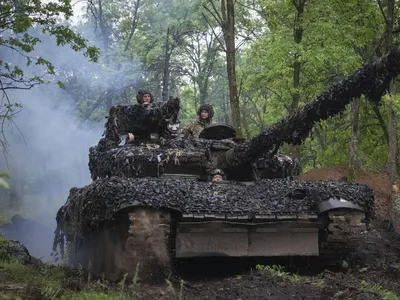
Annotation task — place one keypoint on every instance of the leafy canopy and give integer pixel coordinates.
(20, 25)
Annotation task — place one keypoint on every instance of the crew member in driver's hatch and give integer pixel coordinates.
(217, 178)
(217, 175)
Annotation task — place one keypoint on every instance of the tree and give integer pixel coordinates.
(225, 17)
(21, 25)
(201, 50)
(392, 122)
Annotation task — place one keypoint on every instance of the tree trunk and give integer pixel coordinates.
(104, 31)
(353, 163)
(381, 121)
(194, 95)
(298, 37)
(229, 37)
(245, 116)
(392, 124)
(166, 73)
(225, 104)
(203, 87)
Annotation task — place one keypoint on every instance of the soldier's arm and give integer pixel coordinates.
(187, 130)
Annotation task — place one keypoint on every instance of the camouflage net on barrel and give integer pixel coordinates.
(89, 208)
(371, 80)
(278, 166)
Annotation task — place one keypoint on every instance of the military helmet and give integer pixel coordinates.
(207, 107)
(217, 172)
(140, 93)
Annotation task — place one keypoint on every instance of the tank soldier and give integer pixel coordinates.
(217, 175)
(205, 114)
(144, 97)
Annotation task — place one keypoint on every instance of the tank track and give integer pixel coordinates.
(342, 238)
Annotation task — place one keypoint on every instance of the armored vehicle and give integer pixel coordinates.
(153, 200)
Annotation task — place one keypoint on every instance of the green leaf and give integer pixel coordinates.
(5, 174)
(4, 183)
(61, 85)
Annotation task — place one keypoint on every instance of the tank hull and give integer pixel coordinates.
(145, 242)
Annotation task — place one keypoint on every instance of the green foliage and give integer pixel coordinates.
(337, 38)
(3, 249)
(58, 282)
(18, 20)
(278, 271)
(381, 291)
(3, 182)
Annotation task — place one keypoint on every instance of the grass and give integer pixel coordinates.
(278, 271)
(55, 282)
(379, 290)
(47, 281)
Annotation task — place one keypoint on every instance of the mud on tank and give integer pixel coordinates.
(151, 200)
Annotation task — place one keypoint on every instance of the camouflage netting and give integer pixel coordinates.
(88, 208)
(141, 119)
(371, 80)
(150, 160)
(278, 166)
(144, 160)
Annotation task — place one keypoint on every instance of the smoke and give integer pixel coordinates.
(48, 155)
(47, 145)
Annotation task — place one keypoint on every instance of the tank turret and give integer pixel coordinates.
(152, 199)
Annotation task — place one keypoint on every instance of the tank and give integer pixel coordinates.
(153, 198)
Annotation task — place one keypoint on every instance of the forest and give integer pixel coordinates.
(255, 61)
(64, 64)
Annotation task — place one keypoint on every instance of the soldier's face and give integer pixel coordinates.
(217, 178)
(204, 114)
(146, 99)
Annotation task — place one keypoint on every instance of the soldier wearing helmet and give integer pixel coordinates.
(144, 97)
(205, 114)
(217, 175)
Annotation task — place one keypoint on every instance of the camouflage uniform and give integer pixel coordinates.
(197, 126)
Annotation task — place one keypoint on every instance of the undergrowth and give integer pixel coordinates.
(47, 281)
(279, 271)
(380, 290)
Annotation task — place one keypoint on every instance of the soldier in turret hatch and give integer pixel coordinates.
(144, 97)
(205, 114)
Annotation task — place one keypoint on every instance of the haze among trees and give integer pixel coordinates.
(255, 61)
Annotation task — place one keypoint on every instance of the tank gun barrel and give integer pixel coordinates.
(371, 80)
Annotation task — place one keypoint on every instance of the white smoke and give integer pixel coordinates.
(48, 145)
